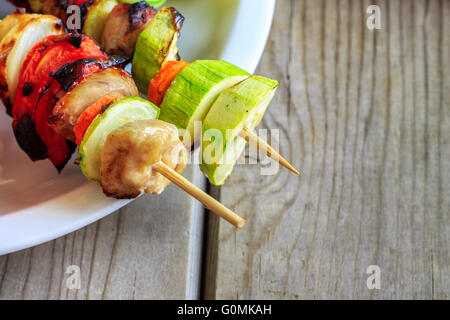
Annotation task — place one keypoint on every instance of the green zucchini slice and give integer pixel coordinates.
(193, 91)
(156, 45)
(239, 107)
(119, 113)
(96, 18)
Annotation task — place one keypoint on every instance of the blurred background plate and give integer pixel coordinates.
(39, 205)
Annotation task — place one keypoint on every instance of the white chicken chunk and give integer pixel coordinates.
(132, 152)
(123, 26)
(111, 81)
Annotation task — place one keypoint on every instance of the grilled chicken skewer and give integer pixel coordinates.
(139, 155)
(65, 103)
(156, 50)
(144, 156)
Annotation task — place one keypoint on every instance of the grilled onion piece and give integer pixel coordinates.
(112, 81)
(132, 151)
(15, 45)
(123, 26)
(37, 93)
(9, 22)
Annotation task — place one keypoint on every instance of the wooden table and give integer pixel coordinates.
(365, 115)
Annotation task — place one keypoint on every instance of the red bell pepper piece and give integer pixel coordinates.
(162, 81)
(78, 2)
(58, 149)
(37, 92)
(88, 115)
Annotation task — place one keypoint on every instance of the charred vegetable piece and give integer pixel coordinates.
(17, 43)
(69, 77)
(88, 115)
(194, 90)
(119, 113)
(9, 29)
(96, 18)
(10, 22)
(123, 26)
(156, 45)
(239, 107)
(111, 81)
(45, 58)
(163, 80)
(36, 79)
(132, 151)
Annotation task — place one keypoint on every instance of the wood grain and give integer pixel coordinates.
(365, 115)
(150, 249)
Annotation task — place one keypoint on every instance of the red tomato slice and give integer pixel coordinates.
(162, 81)
(88, 115)
(37, 92)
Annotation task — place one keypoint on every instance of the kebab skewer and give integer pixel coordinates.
(88, 63)
(161, 154)
(169, 18)
(124, 28)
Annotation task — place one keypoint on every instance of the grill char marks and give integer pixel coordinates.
(69, 75)
(137, 13)
(75, 40)
(106, 106)
(124, 25)
(29, 140)
(177, 19)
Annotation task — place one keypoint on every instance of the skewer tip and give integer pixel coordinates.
(253, 139)
(208, 201)
(290, 167)
(240, 224)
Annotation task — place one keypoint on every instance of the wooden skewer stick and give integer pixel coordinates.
(201, 196)
(253, 139)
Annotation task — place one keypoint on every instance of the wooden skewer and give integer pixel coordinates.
(253, 139)
(201, 196)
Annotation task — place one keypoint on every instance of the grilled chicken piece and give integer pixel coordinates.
(123, 26)
(131, 153)
(111, 81)
(10, 21)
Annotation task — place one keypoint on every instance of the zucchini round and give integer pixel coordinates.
(237, 108)
(119, 113)
(156, 45)
(194, 90)
(96, 18)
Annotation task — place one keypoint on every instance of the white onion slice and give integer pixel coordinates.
(26, 36)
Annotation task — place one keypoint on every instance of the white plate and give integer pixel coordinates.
(41, 205)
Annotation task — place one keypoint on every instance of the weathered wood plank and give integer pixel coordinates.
(365, 114)
(150, 249)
